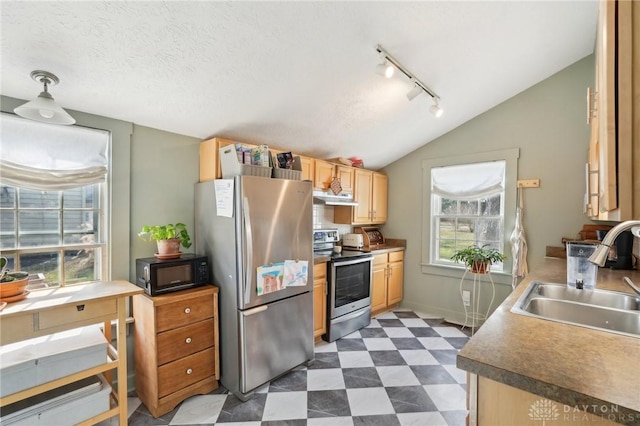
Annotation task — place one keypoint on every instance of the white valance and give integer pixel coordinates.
(50, 157)
(468, 181)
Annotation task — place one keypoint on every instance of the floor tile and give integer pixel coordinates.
(373, 324)
(369, 401)
(432, 374)
(378, 344)
(354, 359)
(398, 332)
(350, 345)
(379, 420)
(325, 347)
(325, 360)
(435, 343)
(449, 332)
(457, 342)
(373, 332)
(387, 315)
(405, 314)
(330, 421)
(366, 377)
(447, 397)
(445, 356)
(235, 410)
(406, 343)
(328, 403)
(200, 409)
(285, 405)
(423, 332)
(381, 358)
(398, 375)
(414, 322)
(355, 335)
(418, 357)
(290, 382)
(459, 375)
(390, 323)
(422, 419)
(410, 399)
(455, 418)
(325, 379)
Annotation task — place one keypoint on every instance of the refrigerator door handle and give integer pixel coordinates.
(248, 251)
(254, 311)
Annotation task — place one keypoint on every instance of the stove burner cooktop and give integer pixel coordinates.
(343, 255)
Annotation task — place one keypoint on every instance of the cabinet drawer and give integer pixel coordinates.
(186, 371)
(74, 313)
(183, 341)
(380, 259)
(184, 312)
(396, 256)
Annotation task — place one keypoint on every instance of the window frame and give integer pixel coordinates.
(100, 246)
(510, 156)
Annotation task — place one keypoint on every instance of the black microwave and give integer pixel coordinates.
(164, 276)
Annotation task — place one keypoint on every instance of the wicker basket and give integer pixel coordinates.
(250, 170)
(287, 174)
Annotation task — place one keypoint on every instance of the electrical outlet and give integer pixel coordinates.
(466, 298)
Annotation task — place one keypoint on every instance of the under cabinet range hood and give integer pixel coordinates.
(328, 198)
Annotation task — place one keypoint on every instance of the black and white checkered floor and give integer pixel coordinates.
(400, 370)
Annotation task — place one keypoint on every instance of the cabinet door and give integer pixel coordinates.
(345, 174)
(395, 282)
(606, 105)
(319, 299)
(323, 174)
(319, 307)
(379, 288)
(307, 168)
(379, 198)
(363, 180)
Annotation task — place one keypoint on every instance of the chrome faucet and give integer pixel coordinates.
(599, 256)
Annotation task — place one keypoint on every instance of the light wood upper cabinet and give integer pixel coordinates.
(323, 174)
(614, 188)
(308, 168)
(345, 174)
(370, 191)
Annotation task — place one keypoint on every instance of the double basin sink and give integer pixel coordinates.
(605, 310)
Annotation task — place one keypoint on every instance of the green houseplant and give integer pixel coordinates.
(168, 237)
(478, 259)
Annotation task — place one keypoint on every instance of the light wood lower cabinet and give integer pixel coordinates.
(176, 347)
(496, 404)
(387, 281)
(319, 300)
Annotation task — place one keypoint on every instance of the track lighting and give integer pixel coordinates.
(385, 69)
(435, 109)
(44, 108)
(419, 86)
(414, 92)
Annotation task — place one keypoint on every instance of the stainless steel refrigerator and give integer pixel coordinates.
(262, 334)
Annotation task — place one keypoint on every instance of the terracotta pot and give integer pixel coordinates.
(170, 246)
(480, 267)
(13, 288)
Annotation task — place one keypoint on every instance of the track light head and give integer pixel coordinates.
(385, 69)
(435, 109)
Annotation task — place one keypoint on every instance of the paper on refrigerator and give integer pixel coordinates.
(269, 278)
(296, 273)
(224, 197)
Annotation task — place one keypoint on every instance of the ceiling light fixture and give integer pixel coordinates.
(418, 85)
(44, 108)
(385, 69)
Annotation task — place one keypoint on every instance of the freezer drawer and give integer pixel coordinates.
(274, 339)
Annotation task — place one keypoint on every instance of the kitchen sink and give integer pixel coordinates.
(598, 309)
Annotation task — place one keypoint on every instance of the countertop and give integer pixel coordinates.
(389, 246)
(573, 365)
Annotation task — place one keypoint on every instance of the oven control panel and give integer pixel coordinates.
(321, 236)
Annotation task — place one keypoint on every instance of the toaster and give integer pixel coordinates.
(353, 240)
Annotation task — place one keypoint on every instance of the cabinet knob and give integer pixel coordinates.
(188, 340)
(187, 310)
(189, 371)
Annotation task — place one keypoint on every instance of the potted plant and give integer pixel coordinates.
(478, 259)
(12, 284)
(168, 237)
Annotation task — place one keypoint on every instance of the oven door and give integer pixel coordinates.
(349, 285)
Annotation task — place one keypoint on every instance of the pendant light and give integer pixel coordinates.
(44, 108)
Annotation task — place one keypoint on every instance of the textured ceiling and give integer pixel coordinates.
(299, 75)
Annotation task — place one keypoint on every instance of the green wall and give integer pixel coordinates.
(547, 122)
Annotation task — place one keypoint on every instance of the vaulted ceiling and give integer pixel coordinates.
(298, 75)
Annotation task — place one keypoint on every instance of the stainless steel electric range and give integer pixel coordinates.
(349, 279)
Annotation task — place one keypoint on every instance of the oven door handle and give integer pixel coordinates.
(352, 261)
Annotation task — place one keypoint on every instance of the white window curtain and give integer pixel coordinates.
(48, 157)
(468, 181)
